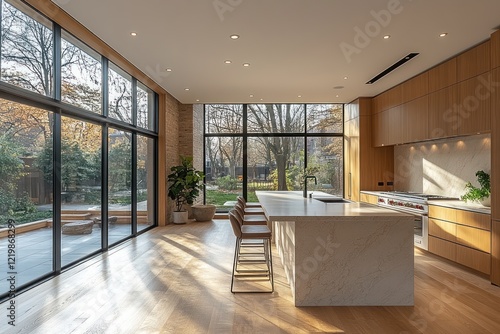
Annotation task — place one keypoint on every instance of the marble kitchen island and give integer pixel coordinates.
(341, 254)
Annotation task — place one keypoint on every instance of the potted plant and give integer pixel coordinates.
(185, 183)
(482, 194)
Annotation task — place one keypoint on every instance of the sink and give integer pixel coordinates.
(331, 200)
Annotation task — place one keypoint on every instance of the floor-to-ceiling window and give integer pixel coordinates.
(250, 147)
(78, 143)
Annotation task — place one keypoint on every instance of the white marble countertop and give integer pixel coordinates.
(455, 204)
(291, 205)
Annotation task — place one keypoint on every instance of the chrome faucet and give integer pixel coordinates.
(305, 183)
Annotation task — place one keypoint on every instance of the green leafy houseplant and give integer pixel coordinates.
(478, 194)
(185, 183)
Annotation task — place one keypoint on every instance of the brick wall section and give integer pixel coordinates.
(186, 130)
(198, 141)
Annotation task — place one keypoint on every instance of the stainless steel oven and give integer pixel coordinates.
(418, 209)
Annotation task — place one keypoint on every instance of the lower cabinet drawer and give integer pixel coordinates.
(474, 238)
(443, 248)
(474, 259)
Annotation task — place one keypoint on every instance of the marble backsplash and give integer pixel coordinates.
(441, 167)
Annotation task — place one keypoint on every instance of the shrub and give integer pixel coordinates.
(227, 183)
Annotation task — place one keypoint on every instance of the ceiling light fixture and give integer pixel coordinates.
(169, 70)
(443, 34)
(186, 89)
(345, 78)
(251, 95)
(337, 95)
(392, 67)
(246, 64)
(133, 33)
(234, 36)
(387, 36)
(227, 62)
(299, 96)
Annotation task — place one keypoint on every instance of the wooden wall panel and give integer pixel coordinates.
(495, 49)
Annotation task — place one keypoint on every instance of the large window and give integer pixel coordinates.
(271, 147)
(26, 180)
(27, 49)
(78, 170)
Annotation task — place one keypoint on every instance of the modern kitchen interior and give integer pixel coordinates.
(393, 228)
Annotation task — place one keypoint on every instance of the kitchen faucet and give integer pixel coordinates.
(305, 183)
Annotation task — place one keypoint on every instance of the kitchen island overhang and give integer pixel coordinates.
(342, 254)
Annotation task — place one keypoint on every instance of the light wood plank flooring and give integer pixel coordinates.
(176, 279)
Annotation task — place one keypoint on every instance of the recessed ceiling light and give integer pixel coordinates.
(337, 95)
(246, 64)
(197, 100)
(169, 70)
(234, 36)
(186, 89)
(251, 95)
(345, 78)
(133, 33)
(443, 34)
(387, 36)
(299, 96)
(227, 62)
(262, 99)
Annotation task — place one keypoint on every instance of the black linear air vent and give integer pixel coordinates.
(388, 70)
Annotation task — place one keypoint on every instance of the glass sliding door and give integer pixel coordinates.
(80, 188)
(145, 182)
(26, 180)
(119, 185)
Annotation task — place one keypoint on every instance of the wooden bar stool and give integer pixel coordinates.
(241, 258)
(250, 219)
(249, 204)
(255, 210)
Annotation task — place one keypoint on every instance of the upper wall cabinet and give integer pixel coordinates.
(443, 75)
(387, 100)
(473, 112)
(443, 113)
(415, 87)
(414, 120)
(495, 49)
(474, 62)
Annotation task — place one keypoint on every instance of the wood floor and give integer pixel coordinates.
(176, 279)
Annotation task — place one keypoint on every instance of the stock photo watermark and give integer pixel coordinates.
(11, 272)
(363, 35)
(222, 7)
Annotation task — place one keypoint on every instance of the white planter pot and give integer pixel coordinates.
(486, 201)
(179, 217)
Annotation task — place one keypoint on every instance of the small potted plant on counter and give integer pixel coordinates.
(185, 183)
(481, 194)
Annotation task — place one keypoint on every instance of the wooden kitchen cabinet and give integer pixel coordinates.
(495, 147)
(442, 213)
(368, 198)
(443, 113)
(366, 167)
(443, 229)
(495, 49)
(443, 75)
(474, 108)
(495, 179)
(473, 219)
(414, 120)
(495, 252)
(461, 236)
(474, 62)
(443, 248)
(474, 259)
(415, 87)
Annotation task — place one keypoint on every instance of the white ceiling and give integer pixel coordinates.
(293, 46)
